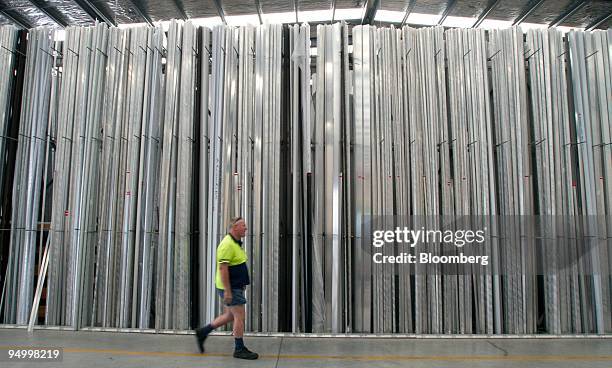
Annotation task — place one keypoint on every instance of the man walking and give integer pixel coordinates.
(231, 280)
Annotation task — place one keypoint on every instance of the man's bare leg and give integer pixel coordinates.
(222, 320)
(240, 350)
(238, 315)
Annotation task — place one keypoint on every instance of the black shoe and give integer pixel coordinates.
(245, 353)
(200, 337)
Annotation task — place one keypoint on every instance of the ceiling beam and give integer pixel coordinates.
(333, 9)
(258, 8)
(409, 8)
(573, 8)
(531, 7)
(485, 13)
(449, 8)
(94, 13)
(17, 20)
(598, 22)
(141, 12)
(371, 8)
(181, 9)
(220, 11)
(38, 5)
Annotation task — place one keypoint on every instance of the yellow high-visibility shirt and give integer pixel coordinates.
(230, 251)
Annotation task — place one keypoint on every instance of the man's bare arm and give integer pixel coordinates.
(225, 279)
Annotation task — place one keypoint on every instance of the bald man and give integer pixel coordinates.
(231, 280)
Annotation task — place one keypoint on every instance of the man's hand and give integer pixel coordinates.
(227, 297)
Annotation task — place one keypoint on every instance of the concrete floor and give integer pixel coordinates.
(106, 349)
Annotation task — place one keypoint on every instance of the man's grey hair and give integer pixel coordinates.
(233, 222)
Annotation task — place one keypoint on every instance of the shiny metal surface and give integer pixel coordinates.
(160, 139)
(27, 182)
(60, 13)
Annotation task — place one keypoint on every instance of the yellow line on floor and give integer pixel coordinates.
(389, 358)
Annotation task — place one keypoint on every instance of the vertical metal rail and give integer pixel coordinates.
(166, 249)
(318, 215)
(56, 285)
(546, 154)
(215, 141)
(28, 177)
(359, 61)
(258, 185)
(301, 169)
(9, 89)
(590, 74)
(182, 297)
(149, 158)
(412, 125)
(329, 174)
(515, 174)
(205, 277)
(300, 166)
(8, 42)
(114, 104)
(83, 190)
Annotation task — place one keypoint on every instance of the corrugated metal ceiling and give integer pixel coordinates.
(70, 12)
(548, 11)
(395, 5)
(508, 10)
(201, 9)
(271, 6)
(469, 8)
(430, 6)
(591, 12)
(314, 5)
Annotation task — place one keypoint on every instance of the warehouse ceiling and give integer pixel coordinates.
(588, 14)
